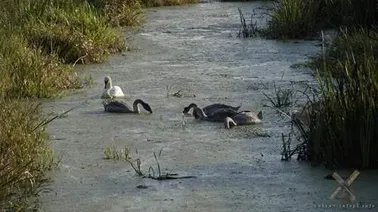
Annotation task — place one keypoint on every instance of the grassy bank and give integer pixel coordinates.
(25, 155)
(292, 19)
(343, 119)
(40, 43)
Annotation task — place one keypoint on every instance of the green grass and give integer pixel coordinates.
(343, 114)
(28, 72)
(71, 29)
(351, 45)
(120, 12)
(25, 155)
(293, 19)
(343, 129)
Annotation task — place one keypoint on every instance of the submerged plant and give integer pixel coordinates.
(344, 118)
(247, 30)
(282, 97)
(111, 152)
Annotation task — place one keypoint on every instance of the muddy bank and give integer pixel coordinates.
(193, 48)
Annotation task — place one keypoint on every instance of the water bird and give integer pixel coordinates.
(210, 108)
(243, 118)
(215, 116)
(119, 106)
(110, 91)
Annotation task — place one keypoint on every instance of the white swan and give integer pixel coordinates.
(111, 91)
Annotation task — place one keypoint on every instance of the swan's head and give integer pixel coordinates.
(108, 82)
(186, 109)
(146, 107)
(229, 123)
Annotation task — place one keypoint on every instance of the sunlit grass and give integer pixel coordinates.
(25, 155)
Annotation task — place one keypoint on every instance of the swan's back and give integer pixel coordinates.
(220, 114)
(248, 117)
(214, 107)
(116, 91)
(116, 106)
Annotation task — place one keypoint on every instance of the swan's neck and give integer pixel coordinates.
(136, 106)
(194, 106)
(199, 112)
(108, 84)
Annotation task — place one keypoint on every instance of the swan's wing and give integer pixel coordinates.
(212, 108)
(116, 91)
(118, 107)
(221, 114)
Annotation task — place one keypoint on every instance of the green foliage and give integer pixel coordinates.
(28, 72)
(123, 13)
(343, 129)
(351, 45)
(24, 155)
(71, 29)
(292, 19)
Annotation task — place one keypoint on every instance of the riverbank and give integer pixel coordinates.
(41, 43)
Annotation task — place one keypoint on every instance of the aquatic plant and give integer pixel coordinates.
(281, 98)
(247, 30)
(113, 153)
(293, 19)
(343, 118)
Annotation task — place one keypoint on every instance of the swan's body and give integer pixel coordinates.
(215, 116)
(243, 118)
(118, 106)
(210, 108)
(110, 91)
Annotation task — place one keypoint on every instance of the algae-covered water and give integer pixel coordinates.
(192, 48)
